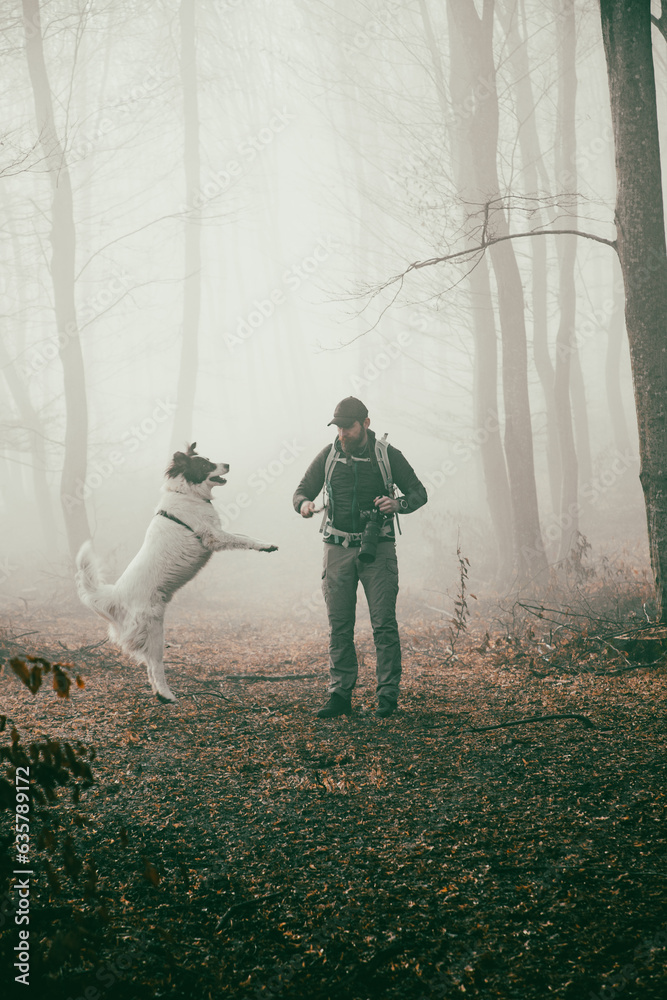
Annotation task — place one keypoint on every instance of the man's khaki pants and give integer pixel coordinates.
(341, 573)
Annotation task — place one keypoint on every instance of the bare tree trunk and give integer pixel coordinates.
(63, 247)
(615, 335)
(535, 172)
(626, 30)
(566, 148)
(28, 414)
(582, 432)
(485, 391)
(476, 35)
(187, 373)
(487, 420)
(35, 429)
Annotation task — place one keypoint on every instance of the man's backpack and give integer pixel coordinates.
(384, 465)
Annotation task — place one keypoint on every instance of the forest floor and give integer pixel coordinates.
(234, 845)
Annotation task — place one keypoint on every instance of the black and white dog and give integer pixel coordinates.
(180, 539)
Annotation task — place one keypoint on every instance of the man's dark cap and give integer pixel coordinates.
(348, 411)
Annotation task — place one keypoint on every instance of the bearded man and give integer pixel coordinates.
(359, 474)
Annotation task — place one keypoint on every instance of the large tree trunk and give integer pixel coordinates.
(476, 35)
(33, 425)
(487, 419)
(29, 415)
(615, 339)
(187, 373)
(626, 29)
(536, 181)
(63, 246)
(566, 148)
(485, 390)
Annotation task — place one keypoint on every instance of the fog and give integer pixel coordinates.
(239, 219)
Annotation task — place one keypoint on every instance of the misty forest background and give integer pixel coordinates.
(220, 218)
(205, 206)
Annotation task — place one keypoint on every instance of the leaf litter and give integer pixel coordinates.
(234, 845)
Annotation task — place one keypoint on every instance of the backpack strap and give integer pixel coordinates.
(384, 465)
(327, 498)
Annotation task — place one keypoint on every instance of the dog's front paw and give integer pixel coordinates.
(269, 548)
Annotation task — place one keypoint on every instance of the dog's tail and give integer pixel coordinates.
(93, 592)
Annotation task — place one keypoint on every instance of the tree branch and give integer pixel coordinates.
(471, 251)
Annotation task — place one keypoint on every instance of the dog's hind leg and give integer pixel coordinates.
(154, 660)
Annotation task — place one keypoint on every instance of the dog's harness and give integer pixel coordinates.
(172, 517)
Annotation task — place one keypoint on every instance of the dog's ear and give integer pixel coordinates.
(178, 465)
(191, 448)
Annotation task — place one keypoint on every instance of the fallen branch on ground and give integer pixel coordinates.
(214, 694)
(269, 677)
(631, 666)
(80, 650)
(534, 718)
(248, 904)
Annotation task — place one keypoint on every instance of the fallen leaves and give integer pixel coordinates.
(268, 853)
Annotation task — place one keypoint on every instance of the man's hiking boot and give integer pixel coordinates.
(385, 708)
(334, 707)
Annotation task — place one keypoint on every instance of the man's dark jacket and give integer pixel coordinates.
(355, 484)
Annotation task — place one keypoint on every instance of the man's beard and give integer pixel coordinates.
(355, 447)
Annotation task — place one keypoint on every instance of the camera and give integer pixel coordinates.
(371, 534)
